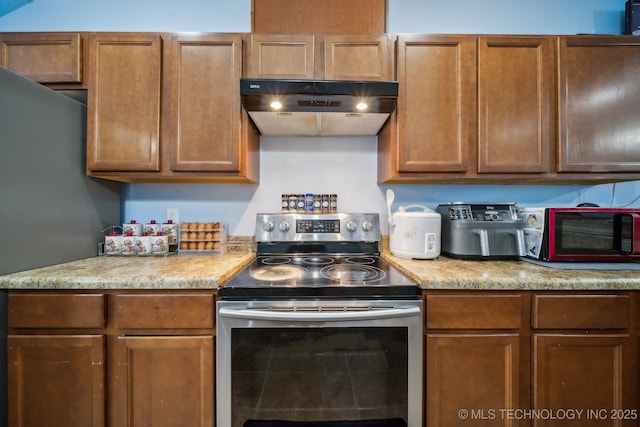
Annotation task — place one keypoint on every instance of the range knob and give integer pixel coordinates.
(284, 226)
(267, 226)
(367, 226)
(351, 226)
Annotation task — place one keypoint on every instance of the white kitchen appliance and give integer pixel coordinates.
(414, 231)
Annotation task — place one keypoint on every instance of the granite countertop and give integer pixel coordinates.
(449, 273)
(122, 272)
(210, 271)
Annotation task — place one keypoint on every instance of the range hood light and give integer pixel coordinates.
(276, 105)
(318, 107)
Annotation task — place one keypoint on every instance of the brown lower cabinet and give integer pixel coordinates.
(492, 358)
(585, 354)
(477, 359)
(531, 358)
(161, 361)
(112, 358)
(56, 380)
(161, 381)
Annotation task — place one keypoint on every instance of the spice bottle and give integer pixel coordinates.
(285, 203)
(325, 203)
(293, 203)
(300, 206)
(308, 203)
(333, 203)
(317, 203)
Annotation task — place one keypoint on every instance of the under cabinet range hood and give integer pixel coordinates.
(318, 107)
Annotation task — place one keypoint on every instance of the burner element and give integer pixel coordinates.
(277, 273)
(353, 273)
(276, 260)
(361, 260)
(318, 260)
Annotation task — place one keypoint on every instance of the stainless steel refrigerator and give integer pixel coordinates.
(50, 212)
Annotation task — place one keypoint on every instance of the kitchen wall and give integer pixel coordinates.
(345, 166)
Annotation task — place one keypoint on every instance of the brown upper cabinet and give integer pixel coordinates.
(475, 108)
(357, 57)
(123, 124)
(166, 107)
(319, 16)
(470, 107)
(599, 100)
(515, 104)
(432, 128)
(320, 56)
(281, 56)
(206, 113)
(48, 58)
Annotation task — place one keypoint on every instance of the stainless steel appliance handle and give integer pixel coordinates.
(484, 240)
(330, 315)
(520, 242)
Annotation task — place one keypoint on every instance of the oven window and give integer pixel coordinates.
(584, 234)
(319, 374)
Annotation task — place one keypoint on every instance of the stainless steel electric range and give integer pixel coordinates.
(319, 330)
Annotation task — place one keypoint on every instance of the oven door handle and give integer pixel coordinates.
(329, 315)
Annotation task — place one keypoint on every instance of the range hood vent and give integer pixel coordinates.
(318, 107)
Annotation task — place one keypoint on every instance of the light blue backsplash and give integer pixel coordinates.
(345, 166)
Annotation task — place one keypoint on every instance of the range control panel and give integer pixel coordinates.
(317, 227)
(480, 212)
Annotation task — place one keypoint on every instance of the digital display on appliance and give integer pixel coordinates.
(318, 226)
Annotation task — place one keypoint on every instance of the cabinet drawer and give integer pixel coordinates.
(473, 311)
(54, 310)
(166, 311)
(580, 312)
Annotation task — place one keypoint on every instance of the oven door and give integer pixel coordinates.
(348, 362)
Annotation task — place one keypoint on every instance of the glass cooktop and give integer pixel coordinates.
(315, 276)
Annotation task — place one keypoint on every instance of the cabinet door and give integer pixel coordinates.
(586, 372)
(161, 381)
(205, 106)
(319, 16)
(599, 100)
(515, 76)
(56, 381)
(43, 57)
(357, 57)
(123, 111)
(436, 103)
(281, 56)
(477, 373)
